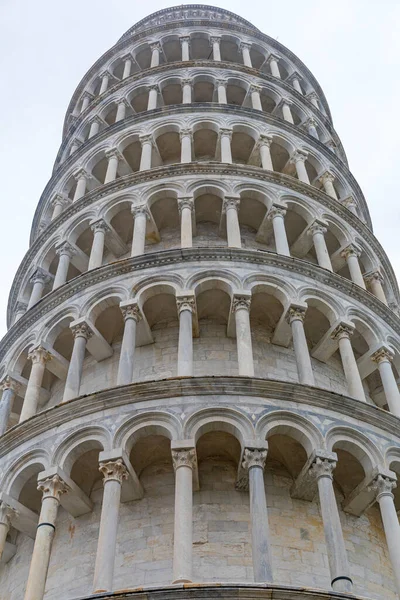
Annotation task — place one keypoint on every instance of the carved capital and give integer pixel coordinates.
(96, 119)
(53, 487)
(373, 276)
(81, 330)
(153, 86)
(100, 225)
(105, 73)
(323, 467)
(296, 313)
(184, 458)
(276, 210)
(244, 45)
(127, 57)
(215, 39)
(8, 383)
(156, 46)
(343, 330)
(383, 486)
(327, 177)
(224, 132)
(265, 140)
(311, 122)
(185, 303)
(273, 57)
(185, 39)
(80, 173)
(113, 470)
(186, 82)
(221, 83)
(317, 227)
(39, 355)
(146, 138)
(241, 303)
(65, 248)
(312, 96)
(382, 355)
(140, 210)
(350, 250)
(6, 514)
(349, 202)
(231, 202)
(298, 156)
(185, 133)
(254, 457)
(185, 202)
(255, 88)
(113, 153)
(61, 200)
(131, 311)
(40, 276)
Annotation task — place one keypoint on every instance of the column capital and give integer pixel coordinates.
(231, 202)
(298, 156)
(349, 202)
(96, 119)
(247, 45)
(60, 199)
(153, 86)
(310, 122)
(185, 202)
(39, 355)
(65, 248)
(6, 513)
(295, 75)
(184, 458)
(312, 96)
(323, 467)
(100, 225)
(296, 312)
(226, 132)
(122, 100)
(146, 138)
(327, 176)
(265, 140)
(382, 355)
(255, 88)
(156, 46)
(186, 132)
(113, 470)
(285, 100)
(350, 250)
(87, 95)
(343, 330)
(186, 302)
(21, 306)
(52, 487)
(127, 56)
(142, 209)
(80, 173)
(383, 486)
(81, 329)
(106, 73)
(254, 457)
(221, 82)
(8, 383)
(272, 57)
(317, 226)
(130, 310)
(113, 153)
(186, 81)
(276, 210)
(40, 275)
(241, 302)
(215, 39)
(373, 276)
(184, 39)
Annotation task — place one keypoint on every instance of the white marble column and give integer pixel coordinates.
(383, 358)
(186, 308)
(318, 230)
(113, 156)
(122, 106)
(147, 149)
(20, 310)
(114, 473)
(39, 279)
(156, 50)
(215, 44)
(342, 334)
(59, 204)
(276, 214)
(185, 47)
(86, 99)
(226, 152)
(313, 98)
(255, 91)
(99, 228)
(184, 462)
(286, 111)
(254, 461)
(327, 180)
(296, 316)
(322, 469)
(127, 60)
(52, 489)
(350, 204)
(231, 208)
(10, 389)
(39, 357)
(75, 144)
(186, 208)
(131, 314)
(153, 96)
(186, 91)
(241, 309)
(264, 143)
(299, 158)
(65, 252)
(81, 177)
(245, 49)
(383, 487)
(375, 280)
(294, 79)
(221, 91)
(351, 254)
(81, 333)
(273, 62)
(95, 124)
(141, 216)
(186, 145)
(6, 514)
(311, 128)
(105, 80)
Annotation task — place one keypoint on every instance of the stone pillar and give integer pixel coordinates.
(299, 158)
(185, 46)
(81, 333)
(6, 514)
(351, 254)
(39, 357)
(318, 230)
(153, 97)
(65, 252)
(277, 214)
(245, 49)
(20, 310)
(156, 50)
(221, 91)
(383, 487)
(215, 44)
(74, 146)
(342, 334)
(286, 112)
(147, 149)
(184, 462)
(105, 80)
(383, 358)
(113, 156)
(132, 316)
(296, 316)
(254, 461)
(10, 389)
(81, 177)
(255, 91)
(86, 98)
(313, 98)
(231, 208)
(99, 228)
(186, 308)
(141, 216)
(114, 473)
(127, 59)
(327, 180)
(39, 279)
(264, 143)
(59, 203)
(241, 308)
(52, 490)
(95, 124)
(311, 127)
(226, 152)
(186, 91)
(273, 62)
(294, 79)
(122, 105)
(322, 469)
(375, 281)
(186, 145)
(351, 205)
(186, 208)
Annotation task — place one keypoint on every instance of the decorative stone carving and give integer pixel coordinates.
(82, 330)
(39, 355)
(323, 467)
(113, 471)
(53, 487)
(382, 355)
(185, 303)
(131, 311)
(254, 457)
(241, 303)
(383, 486)
(342, 330)
(184, 458)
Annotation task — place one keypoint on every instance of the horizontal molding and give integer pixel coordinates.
(181, 387)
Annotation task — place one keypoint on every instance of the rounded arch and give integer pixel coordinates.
(145, 424)
(328, 306)
(219, 419)
(226, 281)
(284, 291)
(357, 444)
(103, 299)
(23, 469)
(78, 443)
(293, 425)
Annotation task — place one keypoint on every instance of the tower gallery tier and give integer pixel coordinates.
(200, 376)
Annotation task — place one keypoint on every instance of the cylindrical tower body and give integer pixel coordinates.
(200, 376)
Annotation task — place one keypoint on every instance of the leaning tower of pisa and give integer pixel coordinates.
(199, 378)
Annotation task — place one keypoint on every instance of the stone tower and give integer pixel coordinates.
(200, 374)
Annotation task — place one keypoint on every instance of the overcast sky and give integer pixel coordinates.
(351, 46)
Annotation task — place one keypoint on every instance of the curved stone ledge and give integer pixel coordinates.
(200, 255)
(180, 387)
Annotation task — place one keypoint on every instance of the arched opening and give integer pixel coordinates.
(208, 209)
(204, 144)
(270, 361)
(166, 217)
(169, 147)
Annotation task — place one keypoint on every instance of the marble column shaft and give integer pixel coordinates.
(132, 316)
(81, 333)
(183, 461)
(303, 361)
(383, 358)
(241, 308)
(39, 357)
(342, 333)
(186, 307)
(10, 389)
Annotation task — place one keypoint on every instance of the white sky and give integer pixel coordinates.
(47, 46)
